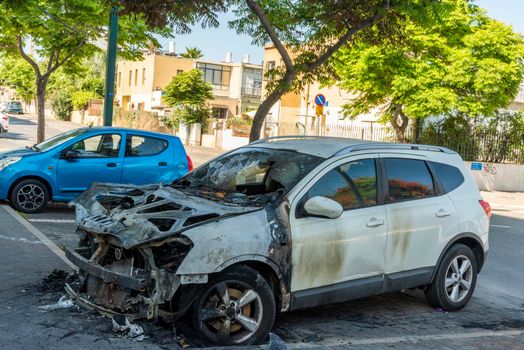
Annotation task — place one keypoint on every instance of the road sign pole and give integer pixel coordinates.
(111, 67)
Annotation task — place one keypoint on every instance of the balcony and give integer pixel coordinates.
(252, 91)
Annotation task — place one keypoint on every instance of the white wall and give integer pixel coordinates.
(505, 178)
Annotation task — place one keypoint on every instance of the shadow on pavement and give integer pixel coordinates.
(17, 120)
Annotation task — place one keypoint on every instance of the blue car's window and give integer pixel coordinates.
(60, 139)
(99, 146)
(137, 146)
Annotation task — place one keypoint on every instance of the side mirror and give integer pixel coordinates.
(323, 207)
(71, 154)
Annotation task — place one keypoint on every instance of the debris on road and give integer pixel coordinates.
(63, 303)
(130, 330)
(276, 343)
(55, 281)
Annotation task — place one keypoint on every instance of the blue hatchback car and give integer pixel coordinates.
(62, 167)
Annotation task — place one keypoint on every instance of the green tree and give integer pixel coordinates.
(466, 64)
(18, 74)
(305, 33)
(63, 32)
(192, 53)
(187, 94)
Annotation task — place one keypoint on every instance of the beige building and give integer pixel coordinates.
(299, 108)
(237, 87)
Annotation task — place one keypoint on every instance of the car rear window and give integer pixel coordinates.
(408, 179)
(137, 146)
(449, 176)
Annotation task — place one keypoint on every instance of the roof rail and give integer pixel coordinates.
(287, 137)
(391, 146)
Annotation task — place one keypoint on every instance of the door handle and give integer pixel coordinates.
(162, 163)
(442, 213)
(112, 165)
(375, 222)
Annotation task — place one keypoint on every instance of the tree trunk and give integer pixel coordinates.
(266, 105)
(41, 85)
(399, 122)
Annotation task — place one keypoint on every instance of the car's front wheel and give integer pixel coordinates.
(235, 308)
(29, 196)
(455, 279)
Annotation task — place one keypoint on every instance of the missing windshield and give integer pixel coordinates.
(249, 174)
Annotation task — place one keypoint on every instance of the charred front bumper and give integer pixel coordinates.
(134, 282)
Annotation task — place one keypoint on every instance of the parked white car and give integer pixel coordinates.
(279, 225)
(4, 122)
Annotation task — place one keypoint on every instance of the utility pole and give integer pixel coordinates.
(110, 67)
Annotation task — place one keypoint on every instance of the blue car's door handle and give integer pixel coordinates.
(112, 165)
(162, 163)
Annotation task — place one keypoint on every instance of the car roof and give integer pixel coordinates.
(327, 147)
(130, 130)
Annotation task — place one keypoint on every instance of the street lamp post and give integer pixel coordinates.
(110, 67)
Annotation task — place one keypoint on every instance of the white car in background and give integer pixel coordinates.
(4, 122)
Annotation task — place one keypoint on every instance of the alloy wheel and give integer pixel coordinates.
(459, 277)
(232, 313)
(30, 197)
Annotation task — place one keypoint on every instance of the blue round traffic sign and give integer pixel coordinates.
(320, 100)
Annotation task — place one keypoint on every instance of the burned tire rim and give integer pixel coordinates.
(231, 312)
(459, 278)
(30, 197)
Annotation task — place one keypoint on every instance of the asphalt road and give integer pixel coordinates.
(494, 318)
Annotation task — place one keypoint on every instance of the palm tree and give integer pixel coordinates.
(192, 53)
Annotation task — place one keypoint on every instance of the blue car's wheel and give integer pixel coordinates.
(29, 196)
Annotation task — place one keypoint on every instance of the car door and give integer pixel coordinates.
(96, 158)
(148, 159)
(419, 218)
(326, 253)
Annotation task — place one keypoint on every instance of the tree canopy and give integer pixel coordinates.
(63, 33)
(192, 53)
(18, 74)
(466, 63)
(187, 93)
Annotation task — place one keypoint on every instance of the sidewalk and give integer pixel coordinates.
(24, 262)
(504, 200)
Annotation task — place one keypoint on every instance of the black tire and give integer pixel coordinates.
(210, 318)
(438, 295)
(29, 196)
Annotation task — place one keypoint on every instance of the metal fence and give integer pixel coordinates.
(474, 146)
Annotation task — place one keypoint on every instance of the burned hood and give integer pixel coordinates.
(138, 214)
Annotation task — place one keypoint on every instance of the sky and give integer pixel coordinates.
(215, 42)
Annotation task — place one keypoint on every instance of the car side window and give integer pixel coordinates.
(137, 146)
(99, 146)
(449, 176)
(353, 185)
(408, 179)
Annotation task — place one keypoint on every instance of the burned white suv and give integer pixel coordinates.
(279, 225)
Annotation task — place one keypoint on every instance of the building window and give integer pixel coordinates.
(252, 82)
(136, 76)
(219, 112)
(130, 75)
(270, 65)
(119, 78)
(143, 76)
(216, 75)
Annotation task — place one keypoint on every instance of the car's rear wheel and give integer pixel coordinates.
(455, 279)
(235, 308)
(29, 196)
